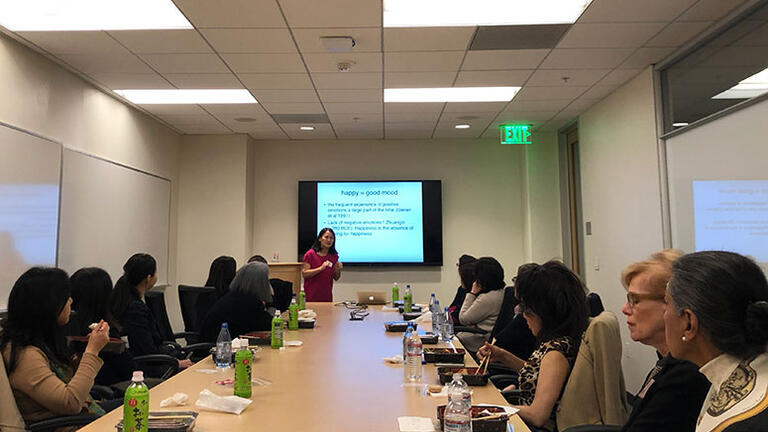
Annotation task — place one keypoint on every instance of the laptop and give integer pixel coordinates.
(372, 297)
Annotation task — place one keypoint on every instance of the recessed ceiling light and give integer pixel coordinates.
(59, 15)
(750, 87)
(188, 96)
(245, 119)
(462, 126)
(680, 124)
(307, 128)
(451, 94)
(458, 13)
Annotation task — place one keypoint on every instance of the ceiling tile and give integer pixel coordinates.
(366, 39)
(428, 38)
(493, 78)
(409, 130)
(351, 95)
(599, 91)
(537, 105)
(619, 76)
(353, 108)
(268, 134)
(213, 129)
(322, 131)
(474, 107)
(119, 62)
(264, 96)
(359, 62)
(566, 77)
(422, 61)
(408, 108)
(446, 130)
(264, 63)
(232, 13)
(185, 63)
(361, 134)
(293, 108)
(348, 80)
(332, 13)
(411, 117)
(352, 118)
(518, 117)
(550, 92)
(66, 42)
(581, 104)
(250, 126)
(607, 11)
(614, 35)
(250, 40)
(178, 109)
(180, 120)
(124, 81)
(645, 56)
(418, 79)
(677, 34)
(709, 10)
(231, 111)
(204, 81)
(475, 119)
(296, 81)
(597, 58)
(162, 41)
(504, 59)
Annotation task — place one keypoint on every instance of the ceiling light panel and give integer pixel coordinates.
(462, 13)
(73, 15)
(750, 87)
(451, 94)
(197, 96)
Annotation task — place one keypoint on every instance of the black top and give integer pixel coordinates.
(758, 422)
(242, 313)
(517, 338)
(116, 367)
(455, 306)
(143, 335)
(672, 402)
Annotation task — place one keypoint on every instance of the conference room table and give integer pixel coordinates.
(336, 380)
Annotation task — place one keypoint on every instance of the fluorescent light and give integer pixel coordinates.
(681, 124)
(753, 86)
(196, 96)
(451, 94)
(462, 126)
(307, 128)
(463, 13)
(71, 15)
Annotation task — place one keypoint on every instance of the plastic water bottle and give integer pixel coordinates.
(276, 332)
(395, 293)
(457, 415)
(293, 314)
(408, 299)
(136, 405)
(437, 317)
(446, 332)
(432, 301)
(406, 336)
(243, 360)
(302, 299)
(460, 387)
(223, 347)
(413, 357)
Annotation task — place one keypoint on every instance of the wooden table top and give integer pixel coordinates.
(336, 381)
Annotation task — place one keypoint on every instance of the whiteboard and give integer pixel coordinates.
(109, 212)
(29, 204)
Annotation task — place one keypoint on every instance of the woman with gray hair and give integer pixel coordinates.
(717, 318)
(243, 308)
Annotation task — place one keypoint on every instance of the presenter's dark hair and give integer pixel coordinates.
(136, 269)
(221, 273)
(34, 305)
(316, 245)
(467, 270)
(257, 258)
(489, 274)
(728, 293)
(557, 296)
(91, 292)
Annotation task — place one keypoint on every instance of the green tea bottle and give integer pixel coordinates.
(136, 405)
(408, 300)
(302, 299)
(395, 293)
(277, 331)
(293, 315)
(243, 369)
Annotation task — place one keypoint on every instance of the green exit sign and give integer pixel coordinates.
(516, 134)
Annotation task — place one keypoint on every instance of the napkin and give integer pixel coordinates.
(231, 404)
(390, 309)
(424, 318)
(415, 424)
(396, 359)
(178, 399)
(293, 343)
(307, 315)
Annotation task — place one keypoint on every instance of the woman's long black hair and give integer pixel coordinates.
(34, 305)
(316, 245)
(91, 292)
(221, 274)
(135, 270)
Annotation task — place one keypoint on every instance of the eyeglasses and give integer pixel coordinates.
(634, 298)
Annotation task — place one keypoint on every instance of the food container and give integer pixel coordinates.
(495, 424)
(114, 345)
(414, 308)
(307, 324)
(444, 355)
(168, 421)
(467, 374)
(398, 326)
(407, 316)
(428, 338)
(259, 338)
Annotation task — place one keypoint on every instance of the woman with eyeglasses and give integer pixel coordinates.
(673, 390)
(554, 305)
(717, 318)
(321, 266)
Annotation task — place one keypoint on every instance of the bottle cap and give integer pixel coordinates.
(224, 325)
(457, 376)
(137, 376)
(277, 313)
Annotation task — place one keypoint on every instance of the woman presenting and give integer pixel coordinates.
(321, 267)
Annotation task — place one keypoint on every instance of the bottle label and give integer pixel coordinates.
(136, 408)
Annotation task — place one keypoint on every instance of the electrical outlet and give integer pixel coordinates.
(275, 256)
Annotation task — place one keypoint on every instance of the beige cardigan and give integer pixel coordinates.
(479, 311)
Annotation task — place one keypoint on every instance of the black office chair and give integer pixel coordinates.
(283, 293)
(595, 304)
(156, 302)
(195, 302)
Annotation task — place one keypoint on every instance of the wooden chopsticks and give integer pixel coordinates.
(486, 360)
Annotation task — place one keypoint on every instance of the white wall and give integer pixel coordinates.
(621, 197)
(544, 231)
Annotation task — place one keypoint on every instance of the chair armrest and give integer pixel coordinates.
(197, 351)
(594, 428)
(159, 360)
(503, 381)
(465, 329)
(57, 422)
(100, 392)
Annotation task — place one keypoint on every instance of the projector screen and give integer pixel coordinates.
(718, 185)
(376, 223)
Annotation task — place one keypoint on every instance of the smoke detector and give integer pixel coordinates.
(334, 44)
(344, 66)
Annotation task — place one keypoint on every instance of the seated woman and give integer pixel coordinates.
(91, 290)
(244, 307)
(554, 305)
(483, 302)
(674, 390)
(46, 380)
(466, 269)
(220, 274)
(132, 316)
(717, 318)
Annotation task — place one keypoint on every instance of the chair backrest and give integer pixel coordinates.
(156, 302)
(507, 311)
(595, 304)
(10, 417)
(195, 302)
(283, 293)
(595, 392)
